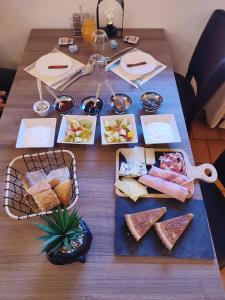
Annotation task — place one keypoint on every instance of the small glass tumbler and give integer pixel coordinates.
(99, 40)
(98, 62)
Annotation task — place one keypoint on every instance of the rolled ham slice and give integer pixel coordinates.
(174, 177)
(172, 189)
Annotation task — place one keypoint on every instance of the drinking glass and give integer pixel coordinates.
(98, 62)
(99, 40)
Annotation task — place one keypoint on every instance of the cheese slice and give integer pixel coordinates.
(134, 154)
(149, 156)
(132, 188)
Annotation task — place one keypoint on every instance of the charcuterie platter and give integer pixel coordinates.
(149, 219)
(177, 161)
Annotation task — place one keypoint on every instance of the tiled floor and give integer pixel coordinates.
(207, 144)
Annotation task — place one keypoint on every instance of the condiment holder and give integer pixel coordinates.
(91, 105)
(151, 101)
(41, 112)
(64, 104)
(120, 103)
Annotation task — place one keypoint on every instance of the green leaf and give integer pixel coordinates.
(50, 243)
(60, 214)
(66, 218)
(55, 248)
(56, 216)
(44, 237)
(73, 231)
(67, 244)
(74, 220)
(46, 228)
(74, 236)
(51, 223)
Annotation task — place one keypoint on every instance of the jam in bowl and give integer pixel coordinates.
(151, 101)
(64, 104)
(120, 103)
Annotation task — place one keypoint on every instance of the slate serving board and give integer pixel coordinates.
(195, 242)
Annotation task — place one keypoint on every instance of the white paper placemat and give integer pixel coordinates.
(55, 82)
(117, 69)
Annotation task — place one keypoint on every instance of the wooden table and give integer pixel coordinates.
(27, 275)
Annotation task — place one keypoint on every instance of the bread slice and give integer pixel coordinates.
(44, 196)
(29, 179)
(64, 191)
(57, 176)
(29, 200)
(139, 223)
(170, 230)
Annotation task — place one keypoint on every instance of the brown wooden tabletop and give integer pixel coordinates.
(27, 275)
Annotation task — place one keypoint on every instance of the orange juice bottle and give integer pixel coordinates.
(88, 28)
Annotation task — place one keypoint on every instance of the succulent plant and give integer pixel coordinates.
(62, 229)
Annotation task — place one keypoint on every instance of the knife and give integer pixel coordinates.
(110, 58)
(117, 60)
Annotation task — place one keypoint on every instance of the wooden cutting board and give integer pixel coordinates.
(192, 172)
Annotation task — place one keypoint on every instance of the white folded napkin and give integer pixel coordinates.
(55, 82)
(117, 69)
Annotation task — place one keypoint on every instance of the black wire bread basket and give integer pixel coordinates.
(15, 204)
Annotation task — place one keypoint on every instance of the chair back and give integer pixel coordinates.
(207, 64)
(220, 167)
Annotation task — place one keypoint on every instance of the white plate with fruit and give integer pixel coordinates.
(118, 129)
(77, 129)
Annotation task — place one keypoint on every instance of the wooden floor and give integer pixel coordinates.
(207, 144)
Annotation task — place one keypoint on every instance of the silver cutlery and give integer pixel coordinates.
(87, 69)
(141, 77)
(66, 78)
(110, 58)
(41, 106)
(117, 60)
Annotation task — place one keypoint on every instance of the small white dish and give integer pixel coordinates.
(36, 133)
(137, 57)
(64, 127)
(160, 129)
(42, 113)
(129, 117)
(53, 59)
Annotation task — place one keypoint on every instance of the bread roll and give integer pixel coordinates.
(64, 191)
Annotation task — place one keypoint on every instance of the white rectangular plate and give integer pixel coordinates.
(64, 125)
(36, 133)
(129, 117)
(170, 122)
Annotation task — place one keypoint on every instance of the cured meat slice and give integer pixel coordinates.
(166, 187)
(170, 230)
(175, 178)
(139, 223)
(173, 162)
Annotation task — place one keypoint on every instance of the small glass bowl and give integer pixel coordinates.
(91, 105)
(65, 105)
(151, 101)
(122, 103)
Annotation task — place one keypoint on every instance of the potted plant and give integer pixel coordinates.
(68, 237)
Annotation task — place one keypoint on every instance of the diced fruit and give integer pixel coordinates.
(122, 132)
(122, 139)
(130, 134)
(78, 139)
(78, 131)
(119, 130)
